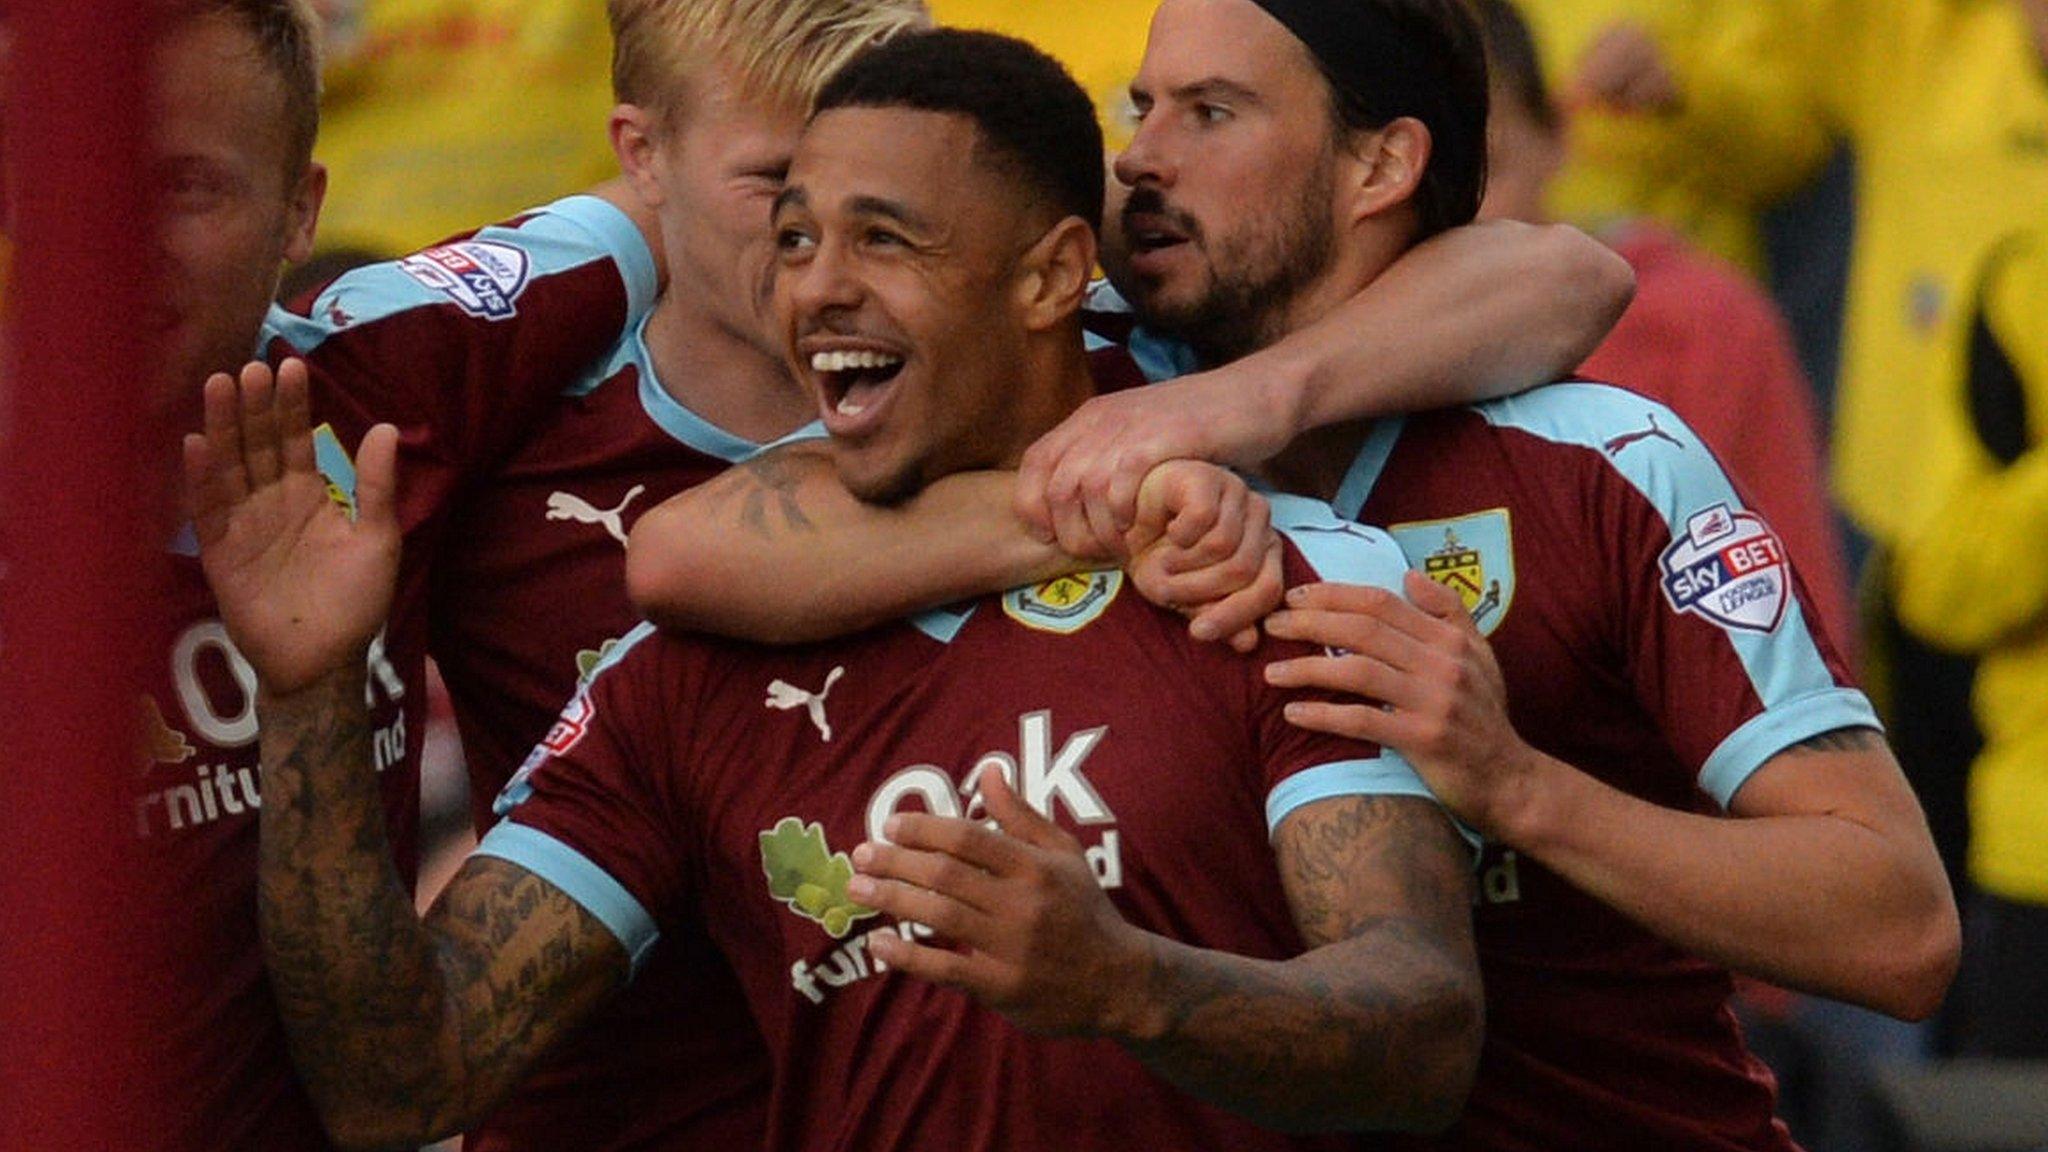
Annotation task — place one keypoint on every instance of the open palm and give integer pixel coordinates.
(302, 587)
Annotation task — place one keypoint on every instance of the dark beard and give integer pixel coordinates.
(1257, 278)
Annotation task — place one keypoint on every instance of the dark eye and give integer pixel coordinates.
(793, 242)
(883, 237)
(1211, 113)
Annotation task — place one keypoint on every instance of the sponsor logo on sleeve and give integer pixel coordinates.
(567, 732)
(1064, 605)
(482, 277)
(1730, 568)
(1473, 556)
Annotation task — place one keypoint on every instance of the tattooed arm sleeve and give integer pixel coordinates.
(1378, 1024)
(402, 1031)
(777, 550)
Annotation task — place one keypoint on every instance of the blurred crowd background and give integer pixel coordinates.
(1837, 211)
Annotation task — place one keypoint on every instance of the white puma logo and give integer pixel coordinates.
(784, 696)
(565, 506)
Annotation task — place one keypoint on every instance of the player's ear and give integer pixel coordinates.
(1054, 273)
(1385, 167)
(302, 215)
(636, 139)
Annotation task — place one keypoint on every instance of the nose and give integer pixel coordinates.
(822, 284)
(1149, 156)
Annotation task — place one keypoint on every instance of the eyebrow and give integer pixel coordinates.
(793, 196)
(1212, 87)
(888, 210)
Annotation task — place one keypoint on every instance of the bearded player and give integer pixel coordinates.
(934, 250)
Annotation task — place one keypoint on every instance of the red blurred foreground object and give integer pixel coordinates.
(75, 971)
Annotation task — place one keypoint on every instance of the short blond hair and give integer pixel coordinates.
(778, 50)
(286, 36)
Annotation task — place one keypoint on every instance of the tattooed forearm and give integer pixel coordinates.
(1844, 740)
(1377, 1026)
(401, 1034)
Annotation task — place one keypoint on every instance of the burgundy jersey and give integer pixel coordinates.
(710, 781)
(1651, 633)
(461, 346)
(528, 599)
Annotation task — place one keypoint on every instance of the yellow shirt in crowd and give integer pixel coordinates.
(444, 114)
(1742, 138)
(1946, 102)
(1973, 576)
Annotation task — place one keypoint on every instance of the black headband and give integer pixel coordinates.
(1365, 51)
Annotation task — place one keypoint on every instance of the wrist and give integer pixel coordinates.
(1134, 1009)
(333, 689)
(1532, 809)
(1285, 387)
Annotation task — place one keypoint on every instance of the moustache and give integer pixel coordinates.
(1150, 201)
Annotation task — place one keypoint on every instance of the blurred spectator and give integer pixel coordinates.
(441, 113)
(1689, 112)
(1946, 103)
(1100, 42)
(1699, 336)
(1970, 577)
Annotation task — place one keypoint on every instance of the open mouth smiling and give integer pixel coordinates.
(853, 382)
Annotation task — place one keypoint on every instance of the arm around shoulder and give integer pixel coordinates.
(1480, 311)
(776, 550)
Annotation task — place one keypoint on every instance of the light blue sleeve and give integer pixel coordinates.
(484, 274)
(1687, 487)
(580, 880)
(1346, 553)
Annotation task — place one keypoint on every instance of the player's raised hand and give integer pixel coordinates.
(302, 586)
(1022, 925)
(1079, 483)
(1203, 545)
(1444, 704)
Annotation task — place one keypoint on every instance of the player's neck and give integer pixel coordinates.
(1318, 460)
(723, 376)
(1054, 381)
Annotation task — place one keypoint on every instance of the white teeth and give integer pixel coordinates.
(844, 361)
(848, 407)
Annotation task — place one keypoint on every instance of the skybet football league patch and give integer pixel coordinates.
(1729, 568)
(484, 278)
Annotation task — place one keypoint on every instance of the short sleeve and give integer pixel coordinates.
(588, 812)
(465, 344)
(1301, 766)
(1713, 625)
